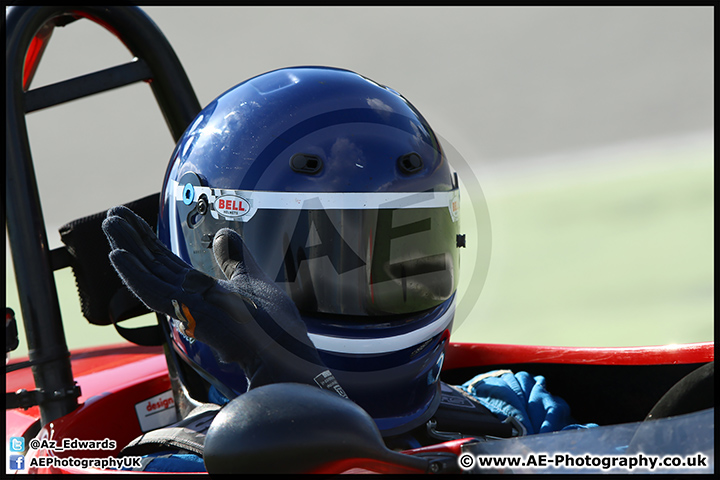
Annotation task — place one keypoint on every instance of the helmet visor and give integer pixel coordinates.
(341, 253)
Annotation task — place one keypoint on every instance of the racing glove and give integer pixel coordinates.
(244, 318)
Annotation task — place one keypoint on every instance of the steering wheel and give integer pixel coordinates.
(692, 393)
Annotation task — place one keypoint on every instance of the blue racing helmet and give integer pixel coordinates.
(342, 192)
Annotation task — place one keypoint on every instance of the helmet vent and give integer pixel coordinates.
(304, 163)
(410, 163)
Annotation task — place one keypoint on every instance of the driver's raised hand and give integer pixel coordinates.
(246, 318)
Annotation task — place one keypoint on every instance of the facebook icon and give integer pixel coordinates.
(17, 462)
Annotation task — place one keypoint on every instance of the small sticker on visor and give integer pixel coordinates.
(231, 206)
(454, 206)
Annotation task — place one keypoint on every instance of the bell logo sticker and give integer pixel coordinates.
(232, 206)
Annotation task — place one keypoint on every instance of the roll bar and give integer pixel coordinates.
(28, 29)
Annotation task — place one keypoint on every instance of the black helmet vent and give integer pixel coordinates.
(304, 163)
(410, 163)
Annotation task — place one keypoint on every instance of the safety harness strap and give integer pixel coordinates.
(186, 435)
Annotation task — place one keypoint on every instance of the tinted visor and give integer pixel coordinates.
(337, 253)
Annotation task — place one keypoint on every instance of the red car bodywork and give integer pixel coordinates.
(114, 379)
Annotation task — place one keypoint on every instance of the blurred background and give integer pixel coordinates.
(583, 138)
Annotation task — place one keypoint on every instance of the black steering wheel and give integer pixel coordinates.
(693, 393)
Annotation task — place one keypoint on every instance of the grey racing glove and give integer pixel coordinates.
(246, 318)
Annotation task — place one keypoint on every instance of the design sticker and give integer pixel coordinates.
(156, 412)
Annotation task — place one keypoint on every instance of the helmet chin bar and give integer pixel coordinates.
(335, 342)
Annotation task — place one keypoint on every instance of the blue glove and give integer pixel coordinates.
(523, 398)
(245, 319)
